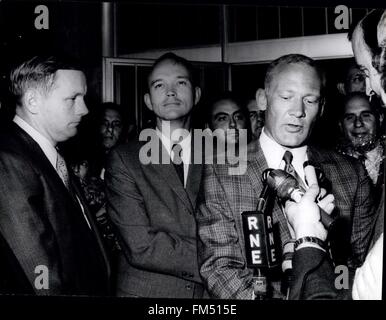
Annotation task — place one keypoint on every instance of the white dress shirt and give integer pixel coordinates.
(186, 145)
(274, 152)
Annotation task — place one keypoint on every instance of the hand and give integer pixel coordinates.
(304, 216)
(368, 278)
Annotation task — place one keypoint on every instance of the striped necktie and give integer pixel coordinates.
(290, 168)
(61, 169)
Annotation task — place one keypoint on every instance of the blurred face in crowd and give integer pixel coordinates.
(111, 128)
(171, 94)
(256, 117)
(356, 80)
(81, 169)
(364, 60)
(60, 110)
(226, 114)
(359, 123)
(293, 104)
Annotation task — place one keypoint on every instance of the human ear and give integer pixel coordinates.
(261, 99)
(31, 100)
(147, 100)
(197, 95)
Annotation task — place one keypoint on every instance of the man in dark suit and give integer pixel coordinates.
(293, 94)
(49, 244)
(152, 202)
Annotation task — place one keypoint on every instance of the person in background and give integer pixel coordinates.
(226, 113)
(112, 131)
(256, 108)
(354, 80)
(360, 124)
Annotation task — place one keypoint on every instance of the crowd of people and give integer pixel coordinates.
(109, 223)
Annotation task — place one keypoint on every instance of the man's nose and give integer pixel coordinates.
(171, 91)
(358, 122)
(82, 108)
(298, 108)
(232, 123)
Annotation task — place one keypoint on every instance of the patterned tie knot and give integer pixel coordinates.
(288, 156)
(176, 153)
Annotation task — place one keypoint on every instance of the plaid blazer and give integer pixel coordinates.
(223, 197)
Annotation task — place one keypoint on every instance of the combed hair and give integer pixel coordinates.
(293, 59)
(37, 73)
(170, 56)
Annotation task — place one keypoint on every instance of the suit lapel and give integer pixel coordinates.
(37, 156)
(79, 194)
(170, 176)
(256, 166)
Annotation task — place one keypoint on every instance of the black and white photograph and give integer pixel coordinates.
(186, 157)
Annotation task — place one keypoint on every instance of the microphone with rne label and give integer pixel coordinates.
(260, 242)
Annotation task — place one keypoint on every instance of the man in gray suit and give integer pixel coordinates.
(153, 204)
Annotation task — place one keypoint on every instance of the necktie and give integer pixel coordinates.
(177, 161)
(288, 246)
(290, 168)
(62, 170)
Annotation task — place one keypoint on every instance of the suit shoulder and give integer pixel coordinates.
(327, 155)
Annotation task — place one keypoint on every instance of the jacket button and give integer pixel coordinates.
(188, 287)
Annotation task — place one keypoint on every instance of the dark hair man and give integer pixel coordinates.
(226, 112)
(152, 204)
(49, 241)
(360, 124)
(294, 100)
(111, 127)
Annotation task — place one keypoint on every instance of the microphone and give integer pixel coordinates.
(260, 243)
(288, 188)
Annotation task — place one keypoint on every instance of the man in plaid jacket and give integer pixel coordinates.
(293, 92)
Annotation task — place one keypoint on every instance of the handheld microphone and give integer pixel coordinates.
(260, 245)
(287, 188)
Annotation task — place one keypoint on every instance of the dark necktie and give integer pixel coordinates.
(177, 161)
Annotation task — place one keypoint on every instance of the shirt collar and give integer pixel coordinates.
(47, 147)
(185, 143)
(274, 152)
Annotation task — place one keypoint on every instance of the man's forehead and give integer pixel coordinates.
(112, 114)
(357, 104)
(225, 106)
(295, 72)
(169, 68)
